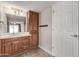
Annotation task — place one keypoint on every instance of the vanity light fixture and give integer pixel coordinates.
(16, 11)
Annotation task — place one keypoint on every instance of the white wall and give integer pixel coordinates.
(3, 27)
(45, 33)
(64, 24)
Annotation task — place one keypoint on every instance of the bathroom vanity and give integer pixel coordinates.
(17, 43)
(14, 46)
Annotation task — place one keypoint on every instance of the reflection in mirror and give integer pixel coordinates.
(15, 24)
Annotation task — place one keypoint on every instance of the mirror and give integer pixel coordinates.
(13, 24)
(12, 20)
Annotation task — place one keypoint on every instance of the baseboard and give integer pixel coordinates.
(45, 50)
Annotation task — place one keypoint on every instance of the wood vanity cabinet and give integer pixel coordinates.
(13, 46)
(33, 23)
(21, 44)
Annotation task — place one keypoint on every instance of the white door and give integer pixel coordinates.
(65, 29)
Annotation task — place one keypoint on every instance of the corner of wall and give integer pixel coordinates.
(45, 50)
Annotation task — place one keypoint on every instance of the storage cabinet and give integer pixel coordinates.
(13, 46)
(33, 19)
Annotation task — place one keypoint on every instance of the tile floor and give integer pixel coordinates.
(38, 52)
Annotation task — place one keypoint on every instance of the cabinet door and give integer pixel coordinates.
(34, 21)
(0, 50)
(7, 49)
(29, 24)
(20, 46)
(0, 47)
(33, 41)
(33, 27)
(25, 44)
(15, 46)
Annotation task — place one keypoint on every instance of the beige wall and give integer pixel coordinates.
(3, 27)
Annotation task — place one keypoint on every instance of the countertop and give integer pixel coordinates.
(5, 36)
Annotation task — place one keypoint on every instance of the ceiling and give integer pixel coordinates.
(31, 5)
